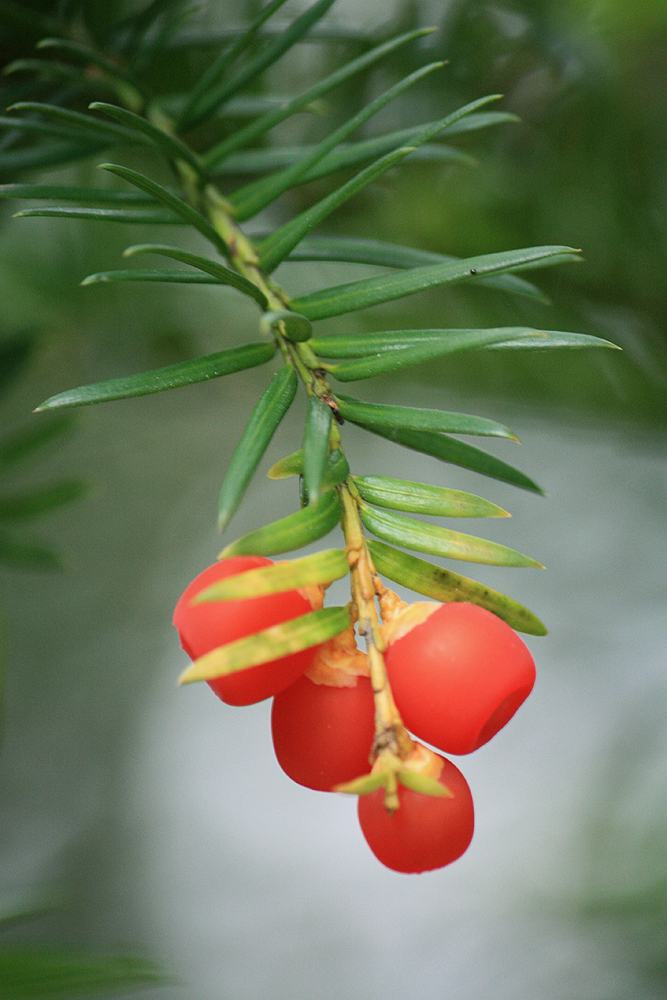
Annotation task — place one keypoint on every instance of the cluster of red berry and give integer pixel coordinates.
(457, 672)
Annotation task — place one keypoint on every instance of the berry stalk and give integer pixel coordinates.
(392, 743)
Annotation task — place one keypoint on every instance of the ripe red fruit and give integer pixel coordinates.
(203, 627)
(426, 831)
(322, 735)
(323, 725)
(458, 673)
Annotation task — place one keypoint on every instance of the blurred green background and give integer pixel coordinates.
(142, 824)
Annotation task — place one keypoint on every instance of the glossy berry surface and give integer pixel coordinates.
(425, 832)
(322, 735)
(203, 627)
(459, 677)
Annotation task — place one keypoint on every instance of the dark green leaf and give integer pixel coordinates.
(90, 56)
(457, 453)
(244, 137)
(63, 130)
(352, 154)
(372, 291)
(14, 354)
(379, 254)
(250, 105)
(36, 502)
(387, 350)
(292, 532)
(321, 568)
(39, 973)
(174, 274)
(256, 196)
(399, 349)
(281, 243)
(85, 195)
(45, 155)
(265, 58)
(151, 27)
(370, 149)
(177, 205)
(356, 250)
(76, 123)
(480, 119)
(170, 147)
(234, 359)
(367, 346)
(22, 554)
(206, 87)
(273, 643)
(23, 443)
(45, 69)
(550, 339)
(225, 275)
(337, 470)
(264, 420)
(346, 155)
(418, 419)
(423, 152)
(132, 216)
(209, 37)
(420, 498)
(442, 585)
(276, 247)
(21, 905)
(436, 541)
(316, 435)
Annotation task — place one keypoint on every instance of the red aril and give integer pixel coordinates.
(206, 626)
(323, 725)
(426, 831)
(458, 673)
(322, 735)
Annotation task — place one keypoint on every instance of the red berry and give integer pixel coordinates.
(322, 735)
(458, 675)
(426, 831)
(323, 725)
(203, 627)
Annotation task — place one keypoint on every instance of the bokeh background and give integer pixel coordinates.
(152, 821)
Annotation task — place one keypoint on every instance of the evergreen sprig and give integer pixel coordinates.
(95, 96)
(19, 551)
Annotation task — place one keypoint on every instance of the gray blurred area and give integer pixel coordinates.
(158, 814)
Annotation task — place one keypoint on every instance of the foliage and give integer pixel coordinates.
(197, 154)
(98, 96)
(37, 971)
(17, 551)
(192, 133)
